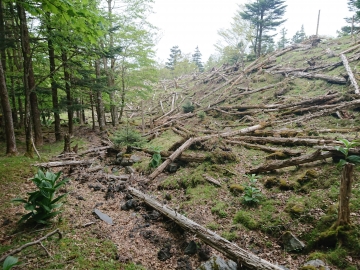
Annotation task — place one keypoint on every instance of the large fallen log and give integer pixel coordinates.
(317, 155)
(224, 246)
(94, 150)
(332, 79)
(63, 163)
(286, 141)
(351, 75)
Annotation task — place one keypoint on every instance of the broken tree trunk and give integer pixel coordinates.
(94, 150)
(67, 143)
(345, 194)
(212, 180)
(332, 79)
(171, 158)
(317, 155)
(224, 246)
(351, 75)
(286, 141)
(63, 163)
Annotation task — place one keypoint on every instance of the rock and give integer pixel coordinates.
(217, 263)
(172, 167)
(80, 198)
(183, 264)
(154, 215)
(191, 248)
(129, 170)
(126, 162)
(130, 204)
(134, 159)
(168, 196)
(204, 253)
(97, 187)
(318, 264)
(103, 216)
(164, 253)
(291, 242)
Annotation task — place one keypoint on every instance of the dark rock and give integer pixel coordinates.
(80, 198)
(318, 264)
(103, 216)
(135, 159)
(119, 187)
(164, 253)
(128, 196)
(154, 215)
(217, 263)
(96, 187)
(191, 248)
(98, 204)
(126, 162)
(204, 253)
(168, 196)
(6, 222)
(130, 204)
(291, 242)
(172, 167)
(147, 234)
(183, 264)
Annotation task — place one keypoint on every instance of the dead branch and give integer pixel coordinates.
(94, 150)
(37, 242)
(224, 246)
(212, 180)
(317, 155)
(63, 163)
(332, 79)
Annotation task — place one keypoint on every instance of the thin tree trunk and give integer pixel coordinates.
(99, 102)
(12, 91)
(25, 47)
(260, 35)
(122, 93)
(345, 194)
(54, 92)
(21, 112)
(5, 104)
(92, 111)
(68, 91)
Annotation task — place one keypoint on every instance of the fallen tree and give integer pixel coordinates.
(286, 141)
(232, 251)
(317, 155)
(63, 163)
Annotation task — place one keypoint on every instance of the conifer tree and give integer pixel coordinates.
(196, 58)
(175, 56)
(299, 36)
(283, 40)
(265, 16)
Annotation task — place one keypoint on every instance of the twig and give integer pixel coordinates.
(47, 252)
(14, 251)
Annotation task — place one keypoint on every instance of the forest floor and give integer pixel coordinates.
(259, 120)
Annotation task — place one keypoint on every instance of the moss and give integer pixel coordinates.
(307, 177)
(308, 267)
(286, 185)
(169, 183)
(231, 236)
(277, 155)
(223, 157)
(236, 188)
(219, 209)
(271, 182)
(213, 226)
(245, 218)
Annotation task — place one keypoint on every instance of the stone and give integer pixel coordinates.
(217, 263)
(204, 253)
(191, 248)
(103, 216)
(135, 159)
(318, 264)
(164, 253)
(291, 242)
(130, 204)
(172, 167)
(126, 162)
(183, 264)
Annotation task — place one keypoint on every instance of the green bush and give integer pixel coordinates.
(252, 194)
(188, 107)
(127, 138)
(155, 159)
(41, 203)
(245, 218)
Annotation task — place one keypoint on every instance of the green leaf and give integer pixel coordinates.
(61, 183)
(58, 198)
(29, 207)
(341, 163)
(354, 159)
(345, 142)
(19, 200)
(9, 262)
(25, 217)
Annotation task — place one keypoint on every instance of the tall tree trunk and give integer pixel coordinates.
(35, 113)
(99, 102)
(2, 37)
(345, 194)
(25, 48)
(260, 35)
(5, 104)
(68, 91)
(122, 98)
(21, 112)
(12, 91)
(92, 111)
(54, 93)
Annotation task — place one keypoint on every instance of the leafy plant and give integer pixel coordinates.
(127, 138)
(10, 262)
(41, 203)
(155, 159)
(252, 194)
(201, 115)
(188, 107)
(345, 150)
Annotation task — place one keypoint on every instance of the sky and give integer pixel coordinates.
(191, 23)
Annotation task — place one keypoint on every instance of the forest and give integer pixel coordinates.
(111, 159)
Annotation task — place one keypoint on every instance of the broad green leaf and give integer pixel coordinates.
(341, 163)
(29, 207)
(9, 262)
(354, 159)
(61, 183)
(58, 198)
(19, 200)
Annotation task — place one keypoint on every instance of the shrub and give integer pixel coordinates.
(41, 203)
(127, 138)
(201, 115)
(188, 107)
(10, 262)
(155, 159)
(252, 194)
(245, 218)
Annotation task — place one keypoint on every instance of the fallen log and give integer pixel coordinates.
(268, 149)
(94, 150)
(185, 157)
(317, 155)
(352, 151)
(212, 180)
(63, 163)
(350, 73)
(332, 79)
(286, 141)
(224, 246)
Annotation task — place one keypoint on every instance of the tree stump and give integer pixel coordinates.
(345, 194)
(67, 143)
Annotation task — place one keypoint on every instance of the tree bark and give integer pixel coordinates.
(63, 163)
(286, 141)
(224, 246)
(317, 155)
(331, 79)
(69, 101)
(345, 194)
(5, 104)
(99, 102)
